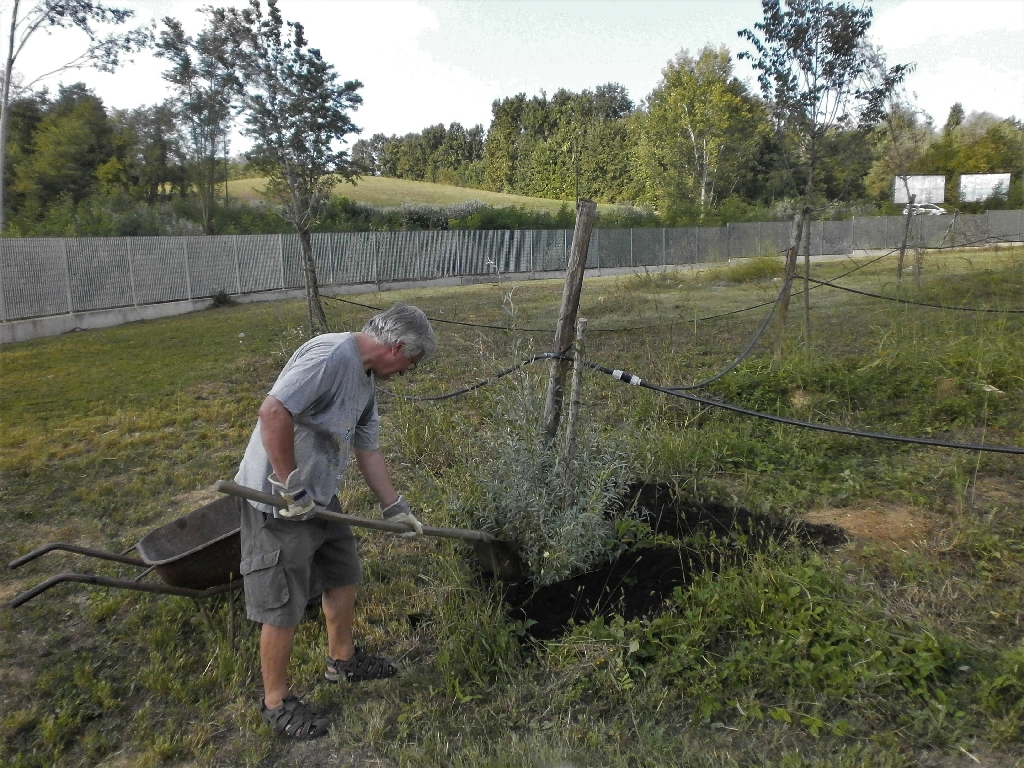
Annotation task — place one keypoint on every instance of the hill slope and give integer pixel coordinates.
(386, 192)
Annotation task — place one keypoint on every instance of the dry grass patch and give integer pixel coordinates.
(881, 523)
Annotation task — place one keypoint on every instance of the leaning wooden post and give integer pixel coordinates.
(575, 398)
(585, 214)
(787, 285)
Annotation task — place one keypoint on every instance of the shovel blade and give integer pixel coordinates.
(498, 559)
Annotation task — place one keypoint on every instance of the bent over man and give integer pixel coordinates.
(321, 408)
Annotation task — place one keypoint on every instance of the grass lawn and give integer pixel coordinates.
(387, 192)
(901, 648)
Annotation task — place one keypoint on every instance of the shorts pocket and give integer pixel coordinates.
(266, 587)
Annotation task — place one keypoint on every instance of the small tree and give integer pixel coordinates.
(204, 80)
(103, 52)
(902, 134)
(296, 112)
(811, 60)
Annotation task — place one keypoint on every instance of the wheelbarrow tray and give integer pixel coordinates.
(203, 549)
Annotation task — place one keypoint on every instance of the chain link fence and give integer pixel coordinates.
(40, 277)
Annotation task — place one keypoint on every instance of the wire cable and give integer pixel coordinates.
(636, 381)
(830, 284)
(483, 382)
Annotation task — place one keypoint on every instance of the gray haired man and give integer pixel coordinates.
(321, 408)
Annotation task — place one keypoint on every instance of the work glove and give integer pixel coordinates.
(399, 512)
(300, 501)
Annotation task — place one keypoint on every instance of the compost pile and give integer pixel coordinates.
(638, 582)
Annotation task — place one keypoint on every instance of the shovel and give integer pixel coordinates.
(497, 558)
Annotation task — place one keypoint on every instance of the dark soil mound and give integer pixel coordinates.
(639, 581)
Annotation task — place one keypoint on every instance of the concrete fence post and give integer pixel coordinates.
(631, 246)
(188, 271)
(238, 269)
(67, 275)
(664, 249)
(280, 258)
(131, 273)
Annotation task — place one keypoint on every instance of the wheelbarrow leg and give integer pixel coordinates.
(106, 581)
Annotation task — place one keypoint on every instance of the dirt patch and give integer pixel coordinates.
(887, 524)
(638, 582)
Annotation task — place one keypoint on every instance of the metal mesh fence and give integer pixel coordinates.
(868, 234)
(648, 247)
(49, 276)
(1006, 225)
(836, 237)
(159, 268)
(712, 244)
(34, 277)
(744, 239)
(681, 246)
(100, 273)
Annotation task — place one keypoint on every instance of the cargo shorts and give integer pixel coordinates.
(287, 563)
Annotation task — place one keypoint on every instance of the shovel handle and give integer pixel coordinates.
(251, 494)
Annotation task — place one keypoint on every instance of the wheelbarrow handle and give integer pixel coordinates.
(234, 489)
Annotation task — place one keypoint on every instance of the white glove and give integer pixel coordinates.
(300, 501)
(399, 512)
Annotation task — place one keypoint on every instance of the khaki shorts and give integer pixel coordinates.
(287, 563)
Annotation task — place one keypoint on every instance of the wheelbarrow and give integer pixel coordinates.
(197, 556)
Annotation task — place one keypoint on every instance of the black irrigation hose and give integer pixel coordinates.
(636, 381)
(830, 284)
(743, 355)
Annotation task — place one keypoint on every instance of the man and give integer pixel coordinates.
(321, 407)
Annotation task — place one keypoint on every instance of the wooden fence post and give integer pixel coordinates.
(572, 422)
(585, 213)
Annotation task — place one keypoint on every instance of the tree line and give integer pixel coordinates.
(701, 148)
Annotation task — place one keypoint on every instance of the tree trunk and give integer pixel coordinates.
(906, 234)
(5, 114)
(314, 309)
(806, 241)
(585, 213)
(787, 285)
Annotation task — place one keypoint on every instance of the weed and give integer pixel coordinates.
(757, 269)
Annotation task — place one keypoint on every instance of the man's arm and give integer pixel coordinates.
(278, 431)
(375, 471)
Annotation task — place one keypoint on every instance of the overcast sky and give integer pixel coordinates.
(424, 62)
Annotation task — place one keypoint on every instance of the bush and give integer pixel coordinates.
(564, 522)
(747, 270)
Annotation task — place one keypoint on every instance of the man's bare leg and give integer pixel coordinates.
(275, 650)
(339, 606)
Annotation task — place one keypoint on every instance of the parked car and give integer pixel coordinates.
(929, 209)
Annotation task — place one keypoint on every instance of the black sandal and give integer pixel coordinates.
(362, 666)
(294, 719)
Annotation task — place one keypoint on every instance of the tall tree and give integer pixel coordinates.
(73, 139)
(700, 129)
(297, 114)
(203, 76)
(811, 58)
(103, 51)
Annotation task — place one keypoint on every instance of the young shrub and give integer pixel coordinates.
(757, 269)
(563, 519)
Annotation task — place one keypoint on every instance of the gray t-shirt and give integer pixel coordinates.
(331, 400)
